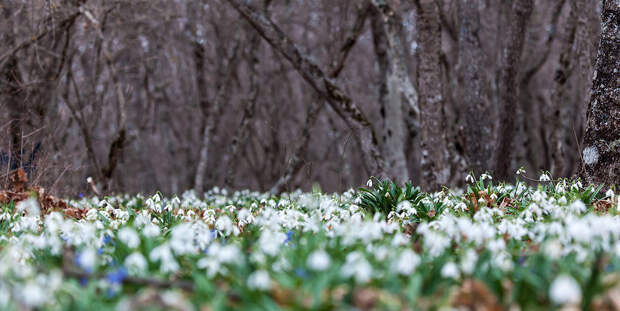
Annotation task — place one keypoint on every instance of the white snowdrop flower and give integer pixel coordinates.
(553, 249)
(245, 217)
(151, 230)
(33, 295)
(578, 206)
(318, 260)
(565, 290)
(399, 239)
(270, 242)
(212, 265)
(369, 183)
(485, 176)
(164, 254)
(182, 239)
(544, 177)
(450, 271)
(503, 261)
(259, 280)
(358, 267)
(406, 262)
(225, 226)
(404, 205)
(461, 206)
(521, 171)
(88, 259)
(129, 236)
(30, 205)
(562, 200)
(576, 186)
(469, 178)
(610, 193)
(380, 252)
(229, 254)
(468, 261)
(92, 214)
(136, 263)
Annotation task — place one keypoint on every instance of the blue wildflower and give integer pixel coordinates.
(301, 272)
(117, 276)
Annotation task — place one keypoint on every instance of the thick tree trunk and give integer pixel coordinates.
(395, 92)
(434, 158)
(477, 124)
(560, 130)
(601, 153)
(322, 84)
(521, 12)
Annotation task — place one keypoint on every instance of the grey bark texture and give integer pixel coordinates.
(519, 16)
(561, 131)
(249, 108)
(296, 163)
(601, 146)
(10, 80)
(212, 114)
(434, 159)
(477, 122)
(322, 84)
(396, 92)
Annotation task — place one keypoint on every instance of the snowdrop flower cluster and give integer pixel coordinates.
(244, 245)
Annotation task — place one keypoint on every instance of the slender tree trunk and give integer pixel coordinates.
(249, 105)
(521, 12)
(296, 162)
(601, 153)
(395, 91)
(322, 84)
(477, 125)
(435, 166)
(10, 91)
(559, 118)
(213, 112)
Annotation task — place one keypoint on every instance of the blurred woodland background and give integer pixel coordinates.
(147, 95)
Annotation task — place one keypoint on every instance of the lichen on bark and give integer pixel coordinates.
(603, 117)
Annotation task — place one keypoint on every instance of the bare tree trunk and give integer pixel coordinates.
(559, 118)
(213, 112)
(601, 153)
(321, 83)
(530, 120)
(477, 124)
(296, 163)
(435, 166)
(521, 12)
(249, 105)
(10, 80)
(396, 90)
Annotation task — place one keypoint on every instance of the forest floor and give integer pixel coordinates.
(382, 247)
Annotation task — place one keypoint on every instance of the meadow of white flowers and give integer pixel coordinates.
(499, 247)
